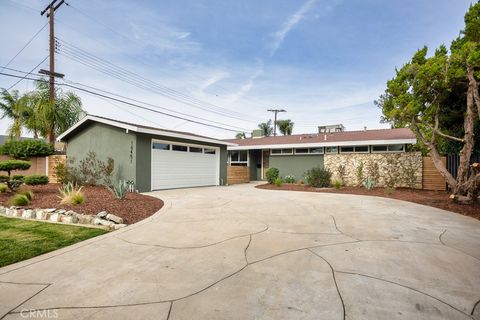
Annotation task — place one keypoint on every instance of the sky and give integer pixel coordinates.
(225, 62)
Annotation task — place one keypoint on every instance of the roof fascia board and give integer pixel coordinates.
(183, 136)
(325, 144)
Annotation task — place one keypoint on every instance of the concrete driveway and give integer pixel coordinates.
(243, 253)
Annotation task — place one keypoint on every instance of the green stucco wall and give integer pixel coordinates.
(295, 164)
(106, 141)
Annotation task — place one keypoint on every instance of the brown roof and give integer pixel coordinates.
(354, 136)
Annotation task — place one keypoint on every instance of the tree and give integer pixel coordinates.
(428, 93)
(11, 108)
(285, 127)
(55, 119)
(266, 128)
(240, 135)
(11, 165)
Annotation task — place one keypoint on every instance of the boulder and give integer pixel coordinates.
(85, 219)
(60, 211)
(114, 218)
(119, 226)
(69, 219)
(10, 212)
(103, 222)
(51, 210)
(28, 214)
(41, 214)
(70, 213)
(55, 217)
(102, 214)
(3, 210)
(19, 213)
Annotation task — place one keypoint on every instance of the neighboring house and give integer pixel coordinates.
(330, 148)
(152, 158)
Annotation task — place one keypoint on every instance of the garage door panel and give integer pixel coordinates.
(175, 169)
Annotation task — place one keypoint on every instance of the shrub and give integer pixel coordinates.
(11, 165)
(61, 172)
(373, 170)
(369, 184)
(359, 174)
(19, 200)
(289, 179)
(341, 173)
(24, 149)
(4, 178)
(27, 193)
(3, 188)
(71, 194)
(18, 177)
(272, 175)
(337, 184)
(278, 182)
(119, 190)
(318, 177)
(35, 179)
(92, 170)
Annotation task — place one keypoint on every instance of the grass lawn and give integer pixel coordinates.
(22, 239)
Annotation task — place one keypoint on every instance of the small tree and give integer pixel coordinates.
(285, 127)
(12, 165)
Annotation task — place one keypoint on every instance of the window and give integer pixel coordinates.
(331, 150)
(301, 151)
(209, 151)
(281, 151)
(160, 146)
(361, 149)
(346, 149)
(176, 147)
(239, 157)
(316, 150)
(196, 150)
(389, 148)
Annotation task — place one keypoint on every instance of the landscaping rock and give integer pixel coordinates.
(40, 215)
(51, 210)
(70, 213)
(60, 211)
(28, 214)
(3, 210)
(102, 214)
(18, 213)
(114, 218)
(10, 212)
(119, 226)
(55, 217)
(69, 219)
(85, 219)
(102, 222)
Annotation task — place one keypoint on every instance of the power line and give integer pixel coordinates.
(127, 103)
(26, 75)
(86, 58)
(26, 45)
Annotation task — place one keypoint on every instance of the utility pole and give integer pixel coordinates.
(276, 111)
(51, 8)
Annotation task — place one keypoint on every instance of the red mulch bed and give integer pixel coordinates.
(133, 208)
(437, 199)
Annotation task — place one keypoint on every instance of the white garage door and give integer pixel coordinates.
(177, 165)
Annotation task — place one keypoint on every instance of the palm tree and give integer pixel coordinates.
(285, 127)
(11, 107)
(32, 121)
(266, 128)
(240, 135)
(55, 119)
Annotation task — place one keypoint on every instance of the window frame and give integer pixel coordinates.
(281, 152)
(388, 148)
(326, 152)
(309, 151)
(238, 162)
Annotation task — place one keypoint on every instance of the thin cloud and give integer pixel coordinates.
(292, 20)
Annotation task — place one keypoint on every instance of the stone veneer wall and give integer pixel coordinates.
(405, 167)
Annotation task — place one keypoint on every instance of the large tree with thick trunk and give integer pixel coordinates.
(429, 93)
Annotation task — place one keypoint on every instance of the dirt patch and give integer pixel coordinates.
(437, 199)
(133, 208)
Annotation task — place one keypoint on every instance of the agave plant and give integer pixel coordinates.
(369, 184)
(119, 189)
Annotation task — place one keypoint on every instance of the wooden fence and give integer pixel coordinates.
(238, 174)
(431, 178)
(40, 165)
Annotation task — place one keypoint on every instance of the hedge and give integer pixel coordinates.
(35, 179)
(25, 149)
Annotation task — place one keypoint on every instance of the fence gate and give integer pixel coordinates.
(431, 178)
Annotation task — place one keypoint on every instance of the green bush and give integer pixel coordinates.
(272, 175)
(11, 165)
(35, 179)
(3, 188)
(278, 182)
(27, 193)
(289, 179)
(318, 177)
(337, 184)
(4, 178)
(19, 177)
(19, 200)
(24, 149)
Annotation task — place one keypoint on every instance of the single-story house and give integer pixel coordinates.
(152, 158)
(341, 152)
